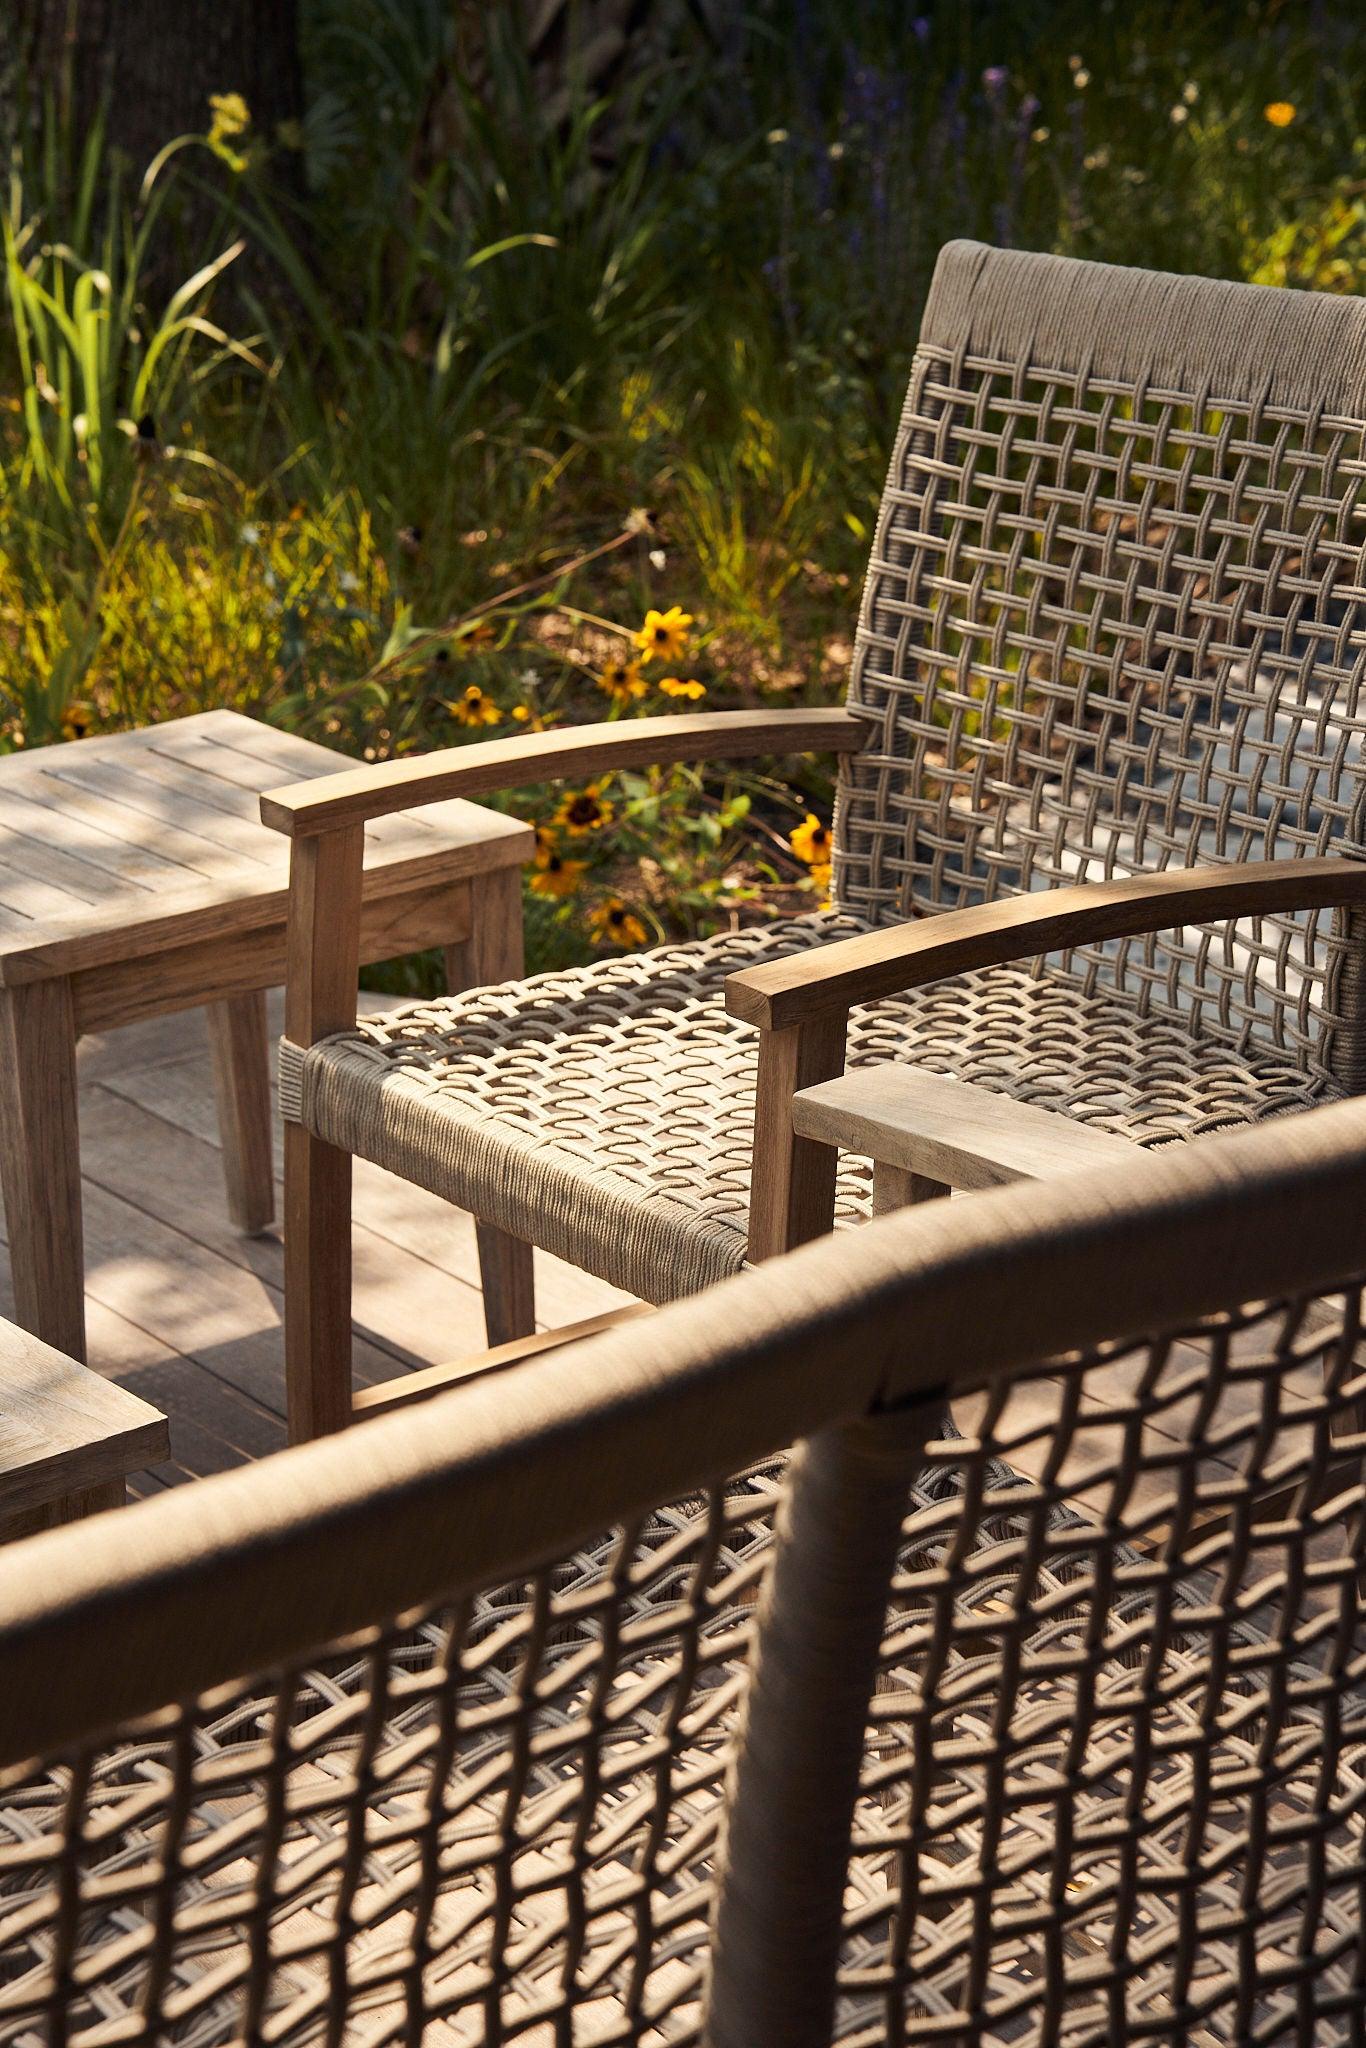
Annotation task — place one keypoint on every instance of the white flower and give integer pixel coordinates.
(776, 136)
(835, 152)
(1190, 93)
(1180, 113)
(249, 535)
(348, 580)
(1081, 79)
(657, 558)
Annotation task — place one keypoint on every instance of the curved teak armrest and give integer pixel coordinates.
(356, 794)
(883, 963)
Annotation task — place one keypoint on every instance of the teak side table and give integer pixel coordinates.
(136, 878)
(68, 1438)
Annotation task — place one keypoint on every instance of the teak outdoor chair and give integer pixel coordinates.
(571, 1710)
(1106, 706)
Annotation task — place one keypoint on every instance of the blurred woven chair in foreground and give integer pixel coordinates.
(572, 1709)
(1108, 682)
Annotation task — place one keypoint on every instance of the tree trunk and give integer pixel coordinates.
(154, 63)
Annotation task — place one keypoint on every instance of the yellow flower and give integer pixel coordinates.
(231, 118)
(612, 924)
(1280, 113)
(673, 686)
(231, 115)
(811, 842)
(555, 876)
(546, 846)
(76, 721)
(820, 881)
(472, 707)
(621, 681)
(583, 810)
(664, 634)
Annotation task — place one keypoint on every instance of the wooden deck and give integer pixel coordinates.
(187, 1313)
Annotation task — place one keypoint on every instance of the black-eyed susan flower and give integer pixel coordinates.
(76, 721)
(820, 882)
(556, 877)
(664, 636)
(583, 811)
(674, 686)
(1280, 113)
(811, 842)
(472, 707)
(622, 681)
(613, 923)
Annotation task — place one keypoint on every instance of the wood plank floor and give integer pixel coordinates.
(186, 1312)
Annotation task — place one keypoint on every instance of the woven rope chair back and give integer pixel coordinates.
(1024, 1703)
(1115, 621)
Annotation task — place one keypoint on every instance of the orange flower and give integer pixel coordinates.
(664, 636)
(583, 810)
(811, 842)
(622, 681)
(1280, 113)
(613, 924)
(673, 686)
(472, 707)
(556, 877)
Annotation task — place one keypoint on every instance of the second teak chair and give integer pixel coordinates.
(1098, 838)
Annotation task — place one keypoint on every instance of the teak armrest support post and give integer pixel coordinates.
(320, 997)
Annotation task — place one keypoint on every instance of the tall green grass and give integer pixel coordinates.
(488, 338)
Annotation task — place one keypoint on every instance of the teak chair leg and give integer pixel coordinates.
(492, 952)
(241, 1084)
(40, 1162)
(317, 1285)
(792, 1181)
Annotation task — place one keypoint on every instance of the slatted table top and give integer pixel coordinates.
(129, 842)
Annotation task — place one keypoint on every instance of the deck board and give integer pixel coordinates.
(184, 1311)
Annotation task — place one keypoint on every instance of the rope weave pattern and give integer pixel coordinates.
(607, 1113)
(1113, 1783)
(1114, 623)
(1115, 1777)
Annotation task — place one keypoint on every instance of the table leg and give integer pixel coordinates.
(40, 1161)
(240, 1051)
(492, 952)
